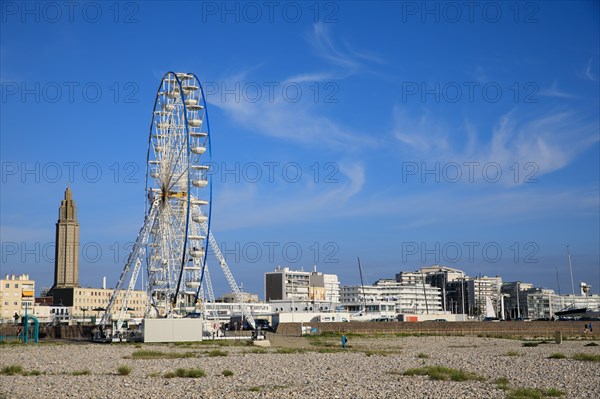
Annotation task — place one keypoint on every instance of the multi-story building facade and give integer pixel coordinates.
(515, 295)
(470, 295)
(544, 303)
(91, 302)
(231, 297)
(387, 293)
(16, 294)
(436, 276)
(410, 278)
(286, 285)
(484, 289)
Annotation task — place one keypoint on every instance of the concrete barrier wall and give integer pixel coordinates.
(71, 333)
(469, 328)
(172, 330)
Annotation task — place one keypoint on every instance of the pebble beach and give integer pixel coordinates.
(307, 368)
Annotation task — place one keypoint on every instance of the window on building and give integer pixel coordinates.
(7, 285)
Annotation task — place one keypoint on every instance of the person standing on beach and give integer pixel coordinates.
(344, 341)
(591, 328)
(585, 328)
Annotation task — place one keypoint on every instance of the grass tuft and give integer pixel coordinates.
(186, 373)
(513, 353)
(227, 373)
(557, 356)
(423, 356)
(442, 373)
(524, 393)
(554, 393)
(290, 350)
(588, 357)
(216, 353)
(152, 354)
(502, 383)
(591, 344)
(124, 370)
(12, 370)
(81, 372)
(17, 369)
(534, 393)
(530, 344)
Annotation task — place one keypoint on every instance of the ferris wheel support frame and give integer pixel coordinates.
(135, 257)
(246, 312)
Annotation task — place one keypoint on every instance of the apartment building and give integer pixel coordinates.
(16, 293)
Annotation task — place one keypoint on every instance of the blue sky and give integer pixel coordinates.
(406, 133)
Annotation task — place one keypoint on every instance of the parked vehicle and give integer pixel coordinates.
(237, 323)
(264, 325)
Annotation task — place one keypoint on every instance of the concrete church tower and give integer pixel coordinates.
(66, 259)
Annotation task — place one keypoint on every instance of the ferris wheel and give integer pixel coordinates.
(174, 239)
(178, 177)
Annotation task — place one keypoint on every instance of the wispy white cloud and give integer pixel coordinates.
(345, 59)
(550, 141)
(297, 122)
(325, 47)
(588, 73)
(554, 91)
(253, 205)
(424, 134)
(300, 121)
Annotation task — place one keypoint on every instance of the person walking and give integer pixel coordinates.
(585, 328)
(344, 341)
(591, 328)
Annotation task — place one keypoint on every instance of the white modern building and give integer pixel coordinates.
(544, 303)
(390, 295)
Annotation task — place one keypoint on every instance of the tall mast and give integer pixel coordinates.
(362, 284)
(424, 292)
(571, 271)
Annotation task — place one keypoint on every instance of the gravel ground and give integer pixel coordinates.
(370, 368)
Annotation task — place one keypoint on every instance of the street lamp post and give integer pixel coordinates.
(518, 301)
(462, 294)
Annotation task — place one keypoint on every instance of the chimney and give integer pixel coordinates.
(104, 282)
